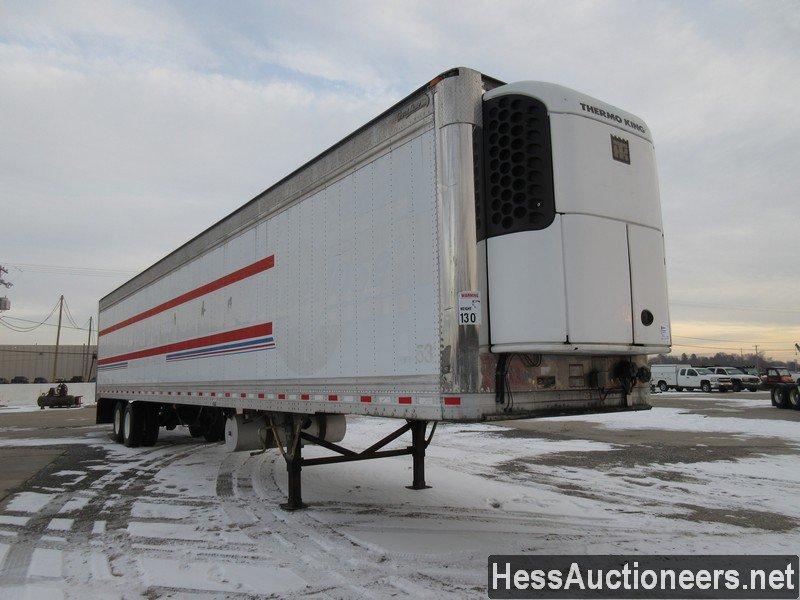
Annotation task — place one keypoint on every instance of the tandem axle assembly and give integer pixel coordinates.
(292, 453)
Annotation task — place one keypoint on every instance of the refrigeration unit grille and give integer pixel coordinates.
(518, 166)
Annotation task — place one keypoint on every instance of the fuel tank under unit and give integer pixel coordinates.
(251, 431)
(572, 225)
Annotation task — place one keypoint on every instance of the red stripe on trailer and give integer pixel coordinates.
(452, 401)
(404, 399)
(333, 398)
(213, 394)
(242, 395)
(366, 399)
(261, 396)
(227, 394)
(304, 396)
(169, 393)
(207, 340)
(199, 393)
(243, 273)
(281, 396)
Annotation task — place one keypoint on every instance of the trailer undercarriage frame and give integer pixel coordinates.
(295, 461)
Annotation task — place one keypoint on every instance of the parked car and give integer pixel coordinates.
(681, 377)
(3, 380)
(40, 380)
(19, 379)
(76, 379)
(796, 376)
(739, 379)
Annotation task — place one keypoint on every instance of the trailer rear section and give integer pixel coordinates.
(479, 251)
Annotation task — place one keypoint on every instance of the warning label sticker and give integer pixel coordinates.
(665, 333)
(469, 308)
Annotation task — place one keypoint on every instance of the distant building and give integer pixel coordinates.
(37, 361)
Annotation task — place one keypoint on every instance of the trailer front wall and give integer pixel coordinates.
(338, 289)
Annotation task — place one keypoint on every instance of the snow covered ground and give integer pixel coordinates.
(185, 519)
(21, 397)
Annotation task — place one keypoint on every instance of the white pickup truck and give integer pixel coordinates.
(687, 377)
(740, 380)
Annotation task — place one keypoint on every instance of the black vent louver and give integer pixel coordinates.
(477, 165)
(518, 167)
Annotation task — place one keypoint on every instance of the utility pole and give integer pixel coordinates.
(5, 303)
(58, 336)
(86, 356)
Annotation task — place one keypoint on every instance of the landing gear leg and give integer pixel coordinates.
(294, 462)
(418, 445)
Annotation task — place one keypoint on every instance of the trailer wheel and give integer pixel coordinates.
(705, 386)
(794, 398)
(662, 385)
(151, 426)
(119, 417)
(132, 425)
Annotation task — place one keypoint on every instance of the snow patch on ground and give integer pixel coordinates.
(29, 502)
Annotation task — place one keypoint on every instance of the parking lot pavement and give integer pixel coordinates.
(21, 462)
(700, 473)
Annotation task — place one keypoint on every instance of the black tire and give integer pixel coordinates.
(752, 389)
(214, 430)
(678, 388)
(117, 420)
(794, 398)
(779, 397)
(662, 385)
(722, 390)
(133, 425)
(705, 386)
(151, 426)
(737, 386)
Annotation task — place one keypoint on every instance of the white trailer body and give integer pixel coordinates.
(478, 251)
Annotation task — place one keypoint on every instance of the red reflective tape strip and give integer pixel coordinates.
(366, 398)
(199, 393)
(243, 273)
(333, 398)
(281, 396)
(261, 396)
(227, 394)
(452, 401)
(213, 394)
(242, 395)
(207, 340)
(303, 396)
(404, 399)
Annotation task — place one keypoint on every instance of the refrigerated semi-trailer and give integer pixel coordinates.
(478, 251)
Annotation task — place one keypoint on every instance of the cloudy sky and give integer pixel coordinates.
(127, 128)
